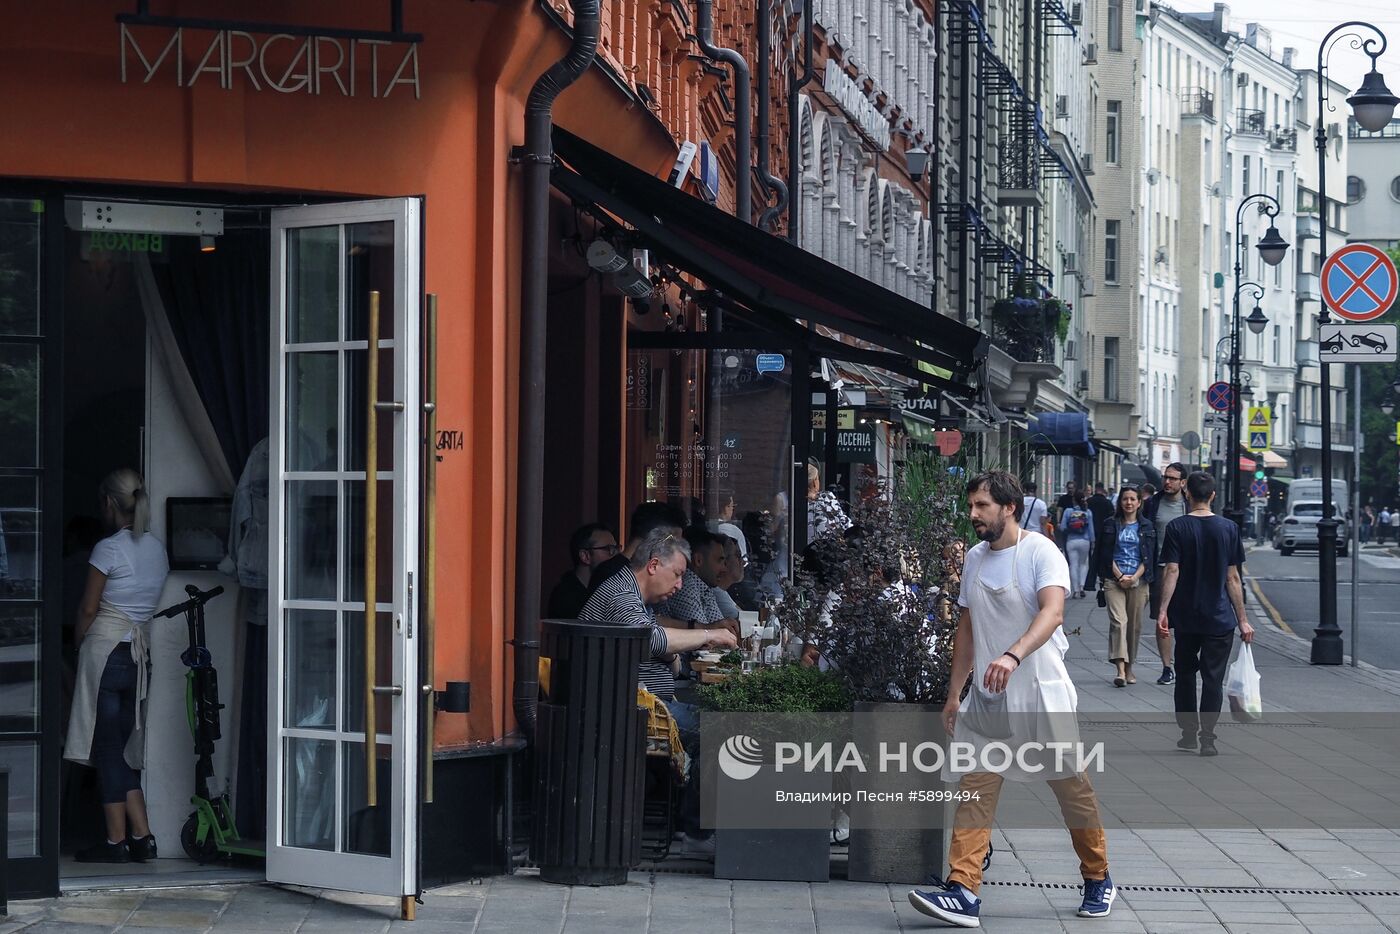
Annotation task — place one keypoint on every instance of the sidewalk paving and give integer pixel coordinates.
(1173, 881)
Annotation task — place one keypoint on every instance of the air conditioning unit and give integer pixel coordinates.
(1087, 286)
(1071, 263)
(1091, 53)
(1076, 14)
(1082, 384)
(1071, 351)
(1242, 79)
(1062, 105)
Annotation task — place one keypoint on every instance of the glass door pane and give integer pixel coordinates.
(711, 432)
(21, 511)
(329, 830)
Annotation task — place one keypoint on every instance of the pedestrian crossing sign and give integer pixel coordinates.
(1258, 439)
(1258, 417)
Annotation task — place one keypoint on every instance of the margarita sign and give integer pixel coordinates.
(358, 67)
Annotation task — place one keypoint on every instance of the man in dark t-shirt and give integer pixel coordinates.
(1203, 600)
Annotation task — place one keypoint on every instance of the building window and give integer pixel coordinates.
(1278, 345)
(1110, 252)
(1110, 369)
(1278, 190)
(1395, 188)
(1356, 189)
(1115, 113)
(1115, 25)
(1244, 190)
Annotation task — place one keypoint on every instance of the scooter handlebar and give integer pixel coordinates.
(197, 598)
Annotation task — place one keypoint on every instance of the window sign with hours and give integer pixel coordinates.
(684, 469)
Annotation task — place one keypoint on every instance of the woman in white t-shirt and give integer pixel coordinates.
(126, 573)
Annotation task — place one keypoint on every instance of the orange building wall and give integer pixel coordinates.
(68, 116)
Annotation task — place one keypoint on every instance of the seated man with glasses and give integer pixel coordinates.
(630, 598)
(589, 546)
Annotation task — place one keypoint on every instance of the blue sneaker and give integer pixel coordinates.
(1098, 897)
(950, 903)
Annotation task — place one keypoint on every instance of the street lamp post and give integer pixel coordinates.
(1372, 105)
(1271, 249)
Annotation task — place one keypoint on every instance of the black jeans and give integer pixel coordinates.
(1208, 656)
(116, 716)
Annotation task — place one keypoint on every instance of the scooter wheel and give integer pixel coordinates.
(205, 852)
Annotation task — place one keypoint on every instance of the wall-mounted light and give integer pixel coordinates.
(207, 244)
(916, 160)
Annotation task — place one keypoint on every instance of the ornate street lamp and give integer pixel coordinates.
(1272, 248)
(1257, 320)
(1372, 105)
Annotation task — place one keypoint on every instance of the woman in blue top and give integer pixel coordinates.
(1077, 528)
(1127, 557)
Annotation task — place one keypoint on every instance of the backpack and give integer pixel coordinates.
(1078, 522)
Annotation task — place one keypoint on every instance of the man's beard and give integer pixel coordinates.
(992, 531)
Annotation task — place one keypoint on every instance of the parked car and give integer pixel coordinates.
(1299, 528)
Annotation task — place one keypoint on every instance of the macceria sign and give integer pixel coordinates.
(348, 66)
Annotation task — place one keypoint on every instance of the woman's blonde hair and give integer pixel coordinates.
(127, 491)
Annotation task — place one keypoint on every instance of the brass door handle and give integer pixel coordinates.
(371, 552)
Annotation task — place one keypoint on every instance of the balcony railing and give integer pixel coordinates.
(1309, 435)
(1282, 139)
(1197, 102)
(1309, 227)
(1025, 329)
(1250, 123)
(1309, 287)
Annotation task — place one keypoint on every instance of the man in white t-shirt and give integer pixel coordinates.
(1012, 596)
(1033, 510)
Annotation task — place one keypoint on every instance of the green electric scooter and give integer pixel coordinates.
(209, 832)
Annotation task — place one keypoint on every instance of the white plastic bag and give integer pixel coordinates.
(1242, 687)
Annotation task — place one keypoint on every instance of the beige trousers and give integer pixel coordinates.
(1124, 620)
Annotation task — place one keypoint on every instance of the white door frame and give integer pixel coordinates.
(397, 874)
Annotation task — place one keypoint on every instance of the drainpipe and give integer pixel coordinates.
(795, 86)
(537, 156)
(743, 96)
(771, 183)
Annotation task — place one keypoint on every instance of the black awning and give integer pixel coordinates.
(765, 274)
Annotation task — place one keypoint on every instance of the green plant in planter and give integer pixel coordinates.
(789, 688)
(1058, 315)
(878, 602)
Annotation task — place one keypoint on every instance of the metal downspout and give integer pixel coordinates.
(795, 86)
(743, 119)
(537, 156)
(771, 183)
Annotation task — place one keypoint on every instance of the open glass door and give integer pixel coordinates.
(340, 815)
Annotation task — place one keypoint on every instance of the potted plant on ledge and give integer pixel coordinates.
(877, 604)
(782, 855)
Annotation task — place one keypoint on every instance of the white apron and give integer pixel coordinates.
(1039, 685)
(109, 627)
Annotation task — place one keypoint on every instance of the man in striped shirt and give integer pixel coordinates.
(629, 598)
(654, 574)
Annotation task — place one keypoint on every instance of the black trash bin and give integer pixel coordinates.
(590, 752)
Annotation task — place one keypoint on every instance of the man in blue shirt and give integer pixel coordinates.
(1203, 600)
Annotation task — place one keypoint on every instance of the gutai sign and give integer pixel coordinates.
(287, 64)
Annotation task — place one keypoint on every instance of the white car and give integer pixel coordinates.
(1299, 529)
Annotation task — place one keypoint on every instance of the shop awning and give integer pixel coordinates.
(1271, 461)
(1063, 434)
(770, 280)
